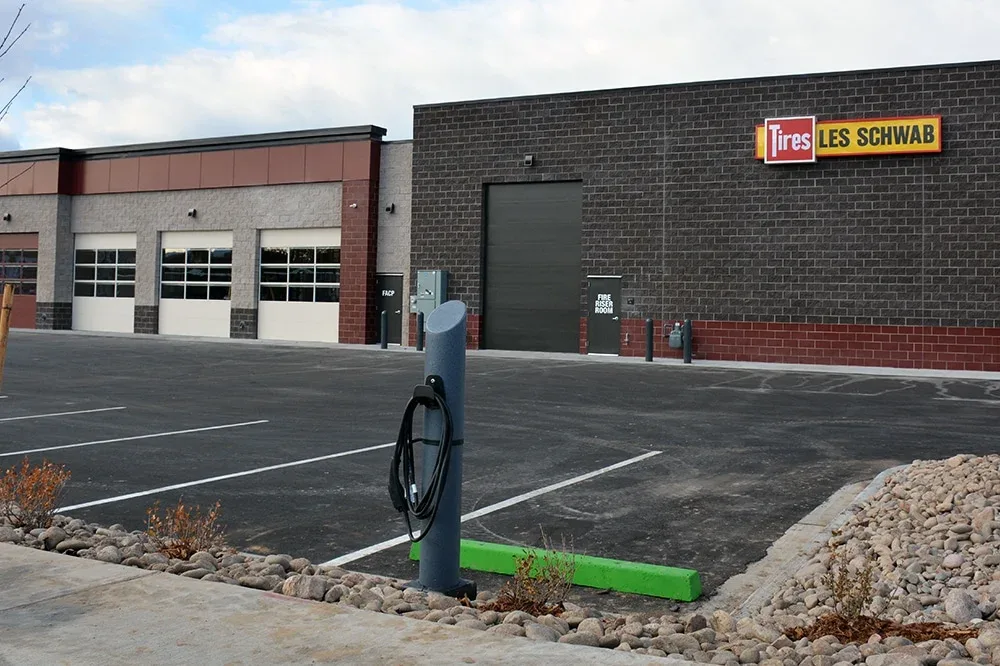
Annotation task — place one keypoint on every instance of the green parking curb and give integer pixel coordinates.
(598, 572)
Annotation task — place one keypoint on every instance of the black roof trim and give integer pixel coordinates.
(569, 94)
(291, 138)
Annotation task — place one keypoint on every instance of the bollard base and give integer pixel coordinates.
(463, 588)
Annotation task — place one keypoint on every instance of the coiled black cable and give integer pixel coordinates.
(404, 491)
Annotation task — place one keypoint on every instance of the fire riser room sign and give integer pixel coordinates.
(798, 139)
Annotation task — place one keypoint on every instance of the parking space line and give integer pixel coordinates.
(54, 414)
(222, 477)
(391, 543)
(132, 438)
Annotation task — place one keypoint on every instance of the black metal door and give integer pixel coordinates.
(390, 299)
(604, 321)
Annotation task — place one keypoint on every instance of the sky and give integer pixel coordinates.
(109, 72)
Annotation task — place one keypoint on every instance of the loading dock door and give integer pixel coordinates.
(532, 267)
(389, 298)
(604, 321)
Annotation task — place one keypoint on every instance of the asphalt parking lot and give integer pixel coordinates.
(713, 464)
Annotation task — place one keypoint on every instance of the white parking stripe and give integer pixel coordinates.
(48, 416)
(223, 477)
(385, 545)
(132, 438)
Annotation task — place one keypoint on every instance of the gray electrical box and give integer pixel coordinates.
(432, 291)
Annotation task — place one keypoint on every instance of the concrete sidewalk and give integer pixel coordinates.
(59, 609)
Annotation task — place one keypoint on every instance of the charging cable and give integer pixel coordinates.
(403, 488)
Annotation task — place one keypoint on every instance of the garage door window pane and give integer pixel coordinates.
(11, 256)
(300, 275)
(222, 256)
(12, 272)
(29, 288)
(273, 255)
(220, 274)
(302, 255)
(29, 257)
(300, 294)
(107, 257)
(196, 292)
(173, 256)
(271, 293)
(105, 273)
(219, 292)
(85, 273)
(327, 276)
(29, 272)
(105, 290)
(197, 256)
(197, 274)
(271, 274)
(83, 289)
(126, 257)
(126, 291)
(328, 255)
(327, 294)
(86, 257)
(126, 274)
(172, 274)
(172, 291)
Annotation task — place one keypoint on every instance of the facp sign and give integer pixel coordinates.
(790, 140)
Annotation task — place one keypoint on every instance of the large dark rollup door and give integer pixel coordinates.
(532, 267)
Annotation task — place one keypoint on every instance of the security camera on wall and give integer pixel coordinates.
(192, 212)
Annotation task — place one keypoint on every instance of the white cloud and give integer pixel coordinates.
(370, 62)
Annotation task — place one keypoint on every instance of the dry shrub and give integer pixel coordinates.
(30, 493)
(541, 581)
(852, 590)
(183, 531)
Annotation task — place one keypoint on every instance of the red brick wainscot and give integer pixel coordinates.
(473, 325)
(929, 347)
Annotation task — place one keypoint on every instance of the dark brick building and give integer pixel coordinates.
(882, 259)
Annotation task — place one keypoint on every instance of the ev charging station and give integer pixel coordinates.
(435, 501)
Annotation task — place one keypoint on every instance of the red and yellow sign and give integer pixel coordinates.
(874, 136)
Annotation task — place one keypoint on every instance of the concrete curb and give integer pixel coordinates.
(744, 594)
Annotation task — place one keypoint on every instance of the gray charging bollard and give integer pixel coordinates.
(649, 340)
(439, 549)
(420, 331)
(384, 330)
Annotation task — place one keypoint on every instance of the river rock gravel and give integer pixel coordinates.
(931, 533)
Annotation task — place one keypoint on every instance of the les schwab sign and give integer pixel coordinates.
(802, 139)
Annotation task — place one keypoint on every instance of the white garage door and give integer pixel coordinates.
(299, 285)
(104, 282)
(196, 275)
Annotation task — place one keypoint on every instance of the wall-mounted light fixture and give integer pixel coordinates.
(192, 212)
(6, 217)
(391, 208)
(529, 160)
(353, 205)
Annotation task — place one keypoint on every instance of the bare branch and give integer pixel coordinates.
(12, 179)
(13, 23)
(6, 107)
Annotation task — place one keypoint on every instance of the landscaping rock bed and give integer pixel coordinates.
(931, 533)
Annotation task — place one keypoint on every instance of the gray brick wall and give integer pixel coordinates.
(243, 210)
(675, 202)
(394, 228)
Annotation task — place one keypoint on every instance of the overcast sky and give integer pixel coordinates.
(121, 71)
